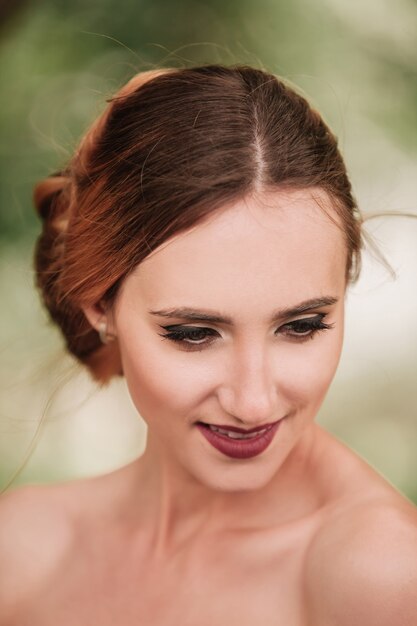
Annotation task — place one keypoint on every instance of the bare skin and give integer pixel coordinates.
(305, 534)
(86, 557)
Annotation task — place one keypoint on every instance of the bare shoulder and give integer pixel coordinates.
(362, 566)
(35, 536)
(41, 529)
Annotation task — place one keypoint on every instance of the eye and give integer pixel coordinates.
(189, 337)
(305, 328)
(197, 338)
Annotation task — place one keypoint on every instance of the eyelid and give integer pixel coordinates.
(178, 332)
(185, 327)
(312, 316)
(320, 317)
(186, 342)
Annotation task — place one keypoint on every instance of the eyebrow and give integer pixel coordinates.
(190, 314)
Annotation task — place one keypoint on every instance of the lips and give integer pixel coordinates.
(239, 446)
(234, 429)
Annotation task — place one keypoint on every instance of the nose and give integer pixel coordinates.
(248, 391)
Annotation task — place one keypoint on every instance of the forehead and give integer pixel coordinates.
(280, 241)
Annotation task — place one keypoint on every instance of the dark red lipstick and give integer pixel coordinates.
(239, 448)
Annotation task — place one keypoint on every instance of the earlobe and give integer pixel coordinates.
(105, 335)
(94, 314)
(101, 321)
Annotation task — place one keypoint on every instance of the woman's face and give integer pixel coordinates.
(275, 268)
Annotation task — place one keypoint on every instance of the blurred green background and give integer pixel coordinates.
(355, 61)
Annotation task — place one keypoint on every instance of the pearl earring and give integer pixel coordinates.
(102, 331)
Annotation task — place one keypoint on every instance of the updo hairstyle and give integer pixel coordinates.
(171, 147)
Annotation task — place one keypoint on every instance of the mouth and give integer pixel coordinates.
(238, 433)
(236, 442)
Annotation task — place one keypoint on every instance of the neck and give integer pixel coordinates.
(177, 508)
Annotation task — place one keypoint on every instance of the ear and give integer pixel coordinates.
(97, 313)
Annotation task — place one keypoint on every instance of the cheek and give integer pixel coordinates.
(306, 371)
(160, 383)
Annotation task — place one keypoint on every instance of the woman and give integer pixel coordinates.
(200, 243)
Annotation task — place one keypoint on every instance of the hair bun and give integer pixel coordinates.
(47, 192)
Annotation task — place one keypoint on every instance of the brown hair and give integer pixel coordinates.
(171, 147)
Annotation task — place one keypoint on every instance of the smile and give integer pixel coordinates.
(237, 443)
(237, 435)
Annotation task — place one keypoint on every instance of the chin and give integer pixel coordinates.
(240, 477)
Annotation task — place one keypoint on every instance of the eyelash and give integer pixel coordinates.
(184, 335)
